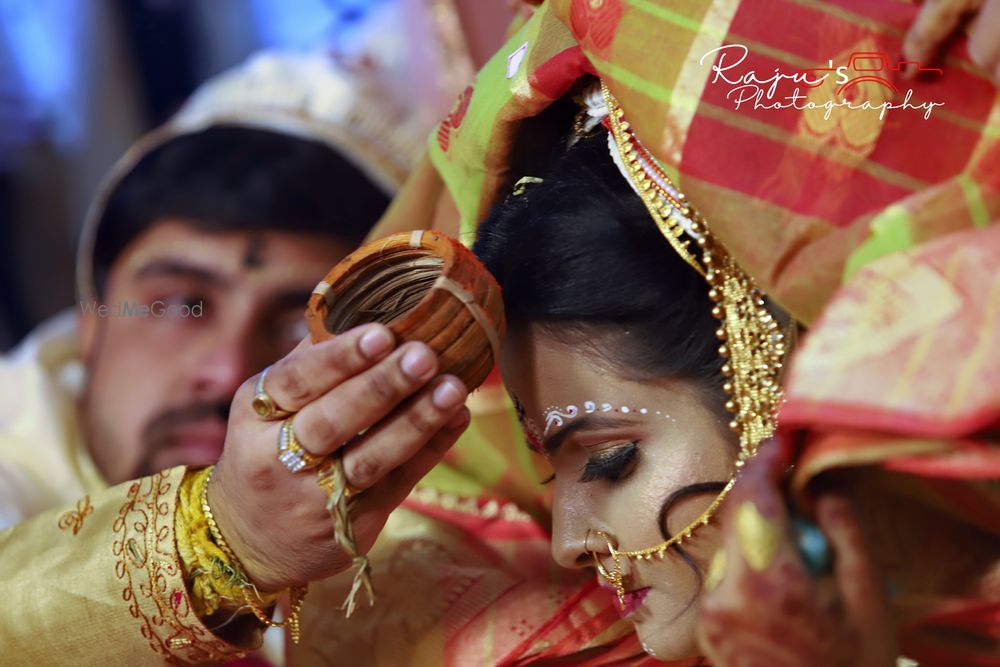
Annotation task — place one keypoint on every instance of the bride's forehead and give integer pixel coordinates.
(561, 383)
(545, 369)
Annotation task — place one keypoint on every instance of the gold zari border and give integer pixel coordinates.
(146, 562)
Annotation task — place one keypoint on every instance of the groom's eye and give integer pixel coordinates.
(612, 465)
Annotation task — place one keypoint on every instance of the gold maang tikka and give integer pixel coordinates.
(750, 339)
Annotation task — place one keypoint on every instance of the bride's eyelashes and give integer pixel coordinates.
(612, 465)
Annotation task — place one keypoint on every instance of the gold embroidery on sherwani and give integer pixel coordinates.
(74, 518)
(146, 561)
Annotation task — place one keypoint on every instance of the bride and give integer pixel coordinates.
(645, 366)
(618, 362)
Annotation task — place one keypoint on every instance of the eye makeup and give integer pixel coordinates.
(611, 465)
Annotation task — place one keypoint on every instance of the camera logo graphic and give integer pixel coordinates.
(863, 67)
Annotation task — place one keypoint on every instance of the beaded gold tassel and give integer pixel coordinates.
(750, 340)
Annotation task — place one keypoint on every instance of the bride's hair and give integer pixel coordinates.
(578, 255)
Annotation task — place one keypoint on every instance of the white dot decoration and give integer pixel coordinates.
(556, 416)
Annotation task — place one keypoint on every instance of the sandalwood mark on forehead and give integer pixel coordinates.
(555, 417)
(561, 422)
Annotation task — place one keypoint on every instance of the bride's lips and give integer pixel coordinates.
(633, 599)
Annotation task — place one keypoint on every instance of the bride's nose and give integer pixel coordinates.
(575, 542)
(577, 551)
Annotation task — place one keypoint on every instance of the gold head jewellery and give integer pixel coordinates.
(750, 339)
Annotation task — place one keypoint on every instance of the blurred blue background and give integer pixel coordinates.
(80, 80)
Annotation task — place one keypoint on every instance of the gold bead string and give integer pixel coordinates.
(753, 344)
(750, 340)
(213, 527)
(662, 205)
(660, 550)
(616, 577)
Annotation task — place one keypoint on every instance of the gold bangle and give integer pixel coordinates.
(296, 598)
(251, 595)
(213, 527)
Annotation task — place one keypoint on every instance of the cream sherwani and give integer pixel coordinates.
(89, 574)
(43, 460)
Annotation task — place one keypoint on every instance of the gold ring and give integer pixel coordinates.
(263, 404)
(292, 455)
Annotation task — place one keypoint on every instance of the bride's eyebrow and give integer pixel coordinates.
(585, 423)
